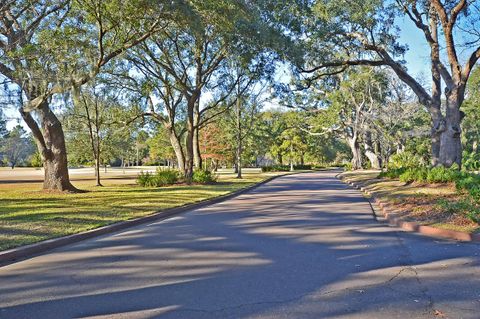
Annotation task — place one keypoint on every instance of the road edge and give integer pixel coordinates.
(393, 220)
(14, 255)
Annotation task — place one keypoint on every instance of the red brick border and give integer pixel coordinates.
(431, 231)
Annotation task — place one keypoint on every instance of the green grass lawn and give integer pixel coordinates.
(28, 215)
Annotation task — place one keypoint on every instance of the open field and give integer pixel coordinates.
(417, 202)
(32, 175)
(29, 215)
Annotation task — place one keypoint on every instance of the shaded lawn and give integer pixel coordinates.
(28, 215)
(416, 202)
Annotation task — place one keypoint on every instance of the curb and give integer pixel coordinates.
(14, 255)
(393, 220)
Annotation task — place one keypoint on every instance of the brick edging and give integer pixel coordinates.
(14, 255)
(413, 226)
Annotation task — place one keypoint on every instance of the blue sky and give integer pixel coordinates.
(417, 56)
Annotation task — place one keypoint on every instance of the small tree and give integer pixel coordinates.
(16, 147)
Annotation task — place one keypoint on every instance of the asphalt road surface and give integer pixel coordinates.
(301, 246)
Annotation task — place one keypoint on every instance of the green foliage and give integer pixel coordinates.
(36, 160)
(464, 182)
(160, 178)
(276, 168)
(421, 174)
(471, 122)
(204, 177)
(16, 147)
(392, 173)
(471, 161)
(348, 166)
(469, 183)
(470, 206)
(418, 174)
(145, 179)
(159, 146)
(404, 160)
(441, 174)
(467, 207)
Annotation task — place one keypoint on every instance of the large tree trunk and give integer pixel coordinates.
(196, 150)
(370, 153)
(97, 172)
(189, 149)
(291, 157)
(438, 129)
(356, 153)
(177, 148)
(450, 142)
(196, 141)
(97, 154)
(51, 145)
(239, 159)
(239, 138)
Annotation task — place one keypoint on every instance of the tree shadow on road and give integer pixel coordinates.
(314, 254)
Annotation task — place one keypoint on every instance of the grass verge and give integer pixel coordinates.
(422, 203)
(28, 215)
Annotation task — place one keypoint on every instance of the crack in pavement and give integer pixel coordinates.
(325, 293)
(430, 307)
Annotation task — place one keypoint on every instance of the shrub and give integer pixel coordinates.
(144, 179)
(276, 168)
(348, 166)
(467, 207)
(418, 174)
(441, 174)
(438, 174)
(408, 176)
(159, 178)
(303, 167)
(166, 177)
(203, 177)
(404, 160)
(467, 182)
(471, 161)
(474, 191)
(392, 173)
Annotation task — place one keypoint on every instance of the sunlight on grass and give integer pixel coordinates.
(28, 215)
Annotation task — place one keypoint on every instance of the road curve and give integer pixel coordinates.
(300, 246)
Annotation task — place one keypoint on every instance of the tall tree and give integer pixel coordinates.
(49, 47)
(472, 115)
(93, 115)
(345, 33)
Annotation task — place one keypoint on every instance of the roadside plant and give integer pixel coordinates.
(405, 160)
(204, 177)
(161, 177)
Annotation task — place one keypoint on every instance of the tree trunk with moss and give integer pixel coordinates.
(50, 141)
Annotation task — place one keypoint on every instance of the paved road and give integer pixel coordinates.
(302, 246)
